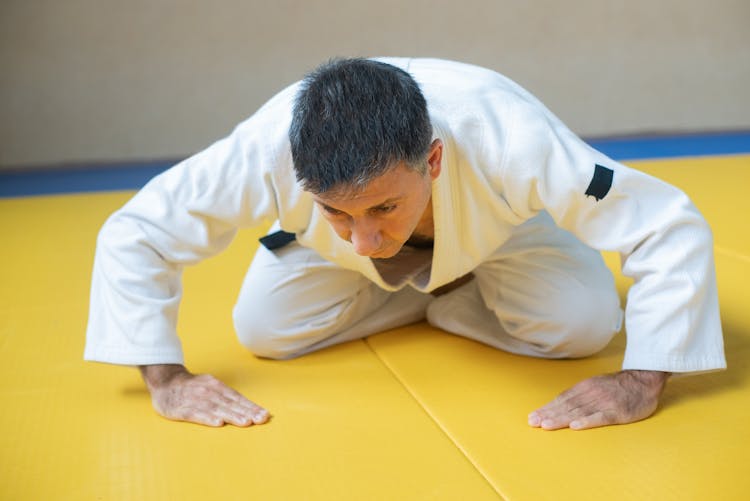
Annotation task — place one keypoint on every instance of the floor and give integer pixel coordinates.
(411, 414)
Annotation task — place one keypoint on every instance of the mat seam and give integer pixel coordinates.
(435, 420)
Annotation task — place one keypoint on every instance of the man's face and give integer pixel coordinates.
(379, 219)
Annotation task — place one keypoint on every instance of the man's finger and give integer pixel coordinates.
(235, 418)
(239, 413)
(247, 405)
(549, 421)
(244, 408)
(594, 420)
(260, 415)
(535, 419)
(556, 422)
(204, 418)
(559, 413)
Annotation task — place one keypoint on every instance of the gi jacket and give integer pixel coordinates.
(506, 159)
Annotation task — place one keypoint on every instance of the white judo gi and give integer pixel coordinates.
(521, 203)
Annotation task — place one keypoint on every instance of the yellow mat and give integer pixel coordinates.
(697, 446)
(409, 414)
(343, 427)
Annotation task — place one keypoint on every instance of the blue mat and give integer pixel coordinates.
(133, 176)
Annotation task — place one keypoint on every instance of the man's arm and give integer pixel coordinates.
(179, 395)
(665, 245)
(624, 397)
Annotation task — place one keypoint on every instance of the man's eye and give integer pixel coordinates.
(385, 209)
(332, 211)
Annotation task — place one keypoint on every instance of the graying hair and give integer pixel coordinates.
(353, 120)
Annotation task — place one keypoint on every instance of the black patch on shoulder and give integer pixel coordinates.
(277, 239)
(600, 183)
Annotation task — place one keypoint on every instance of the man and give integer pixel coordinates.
(405, 189)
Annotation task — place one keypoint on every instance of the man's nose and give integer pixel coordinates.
(366, 237)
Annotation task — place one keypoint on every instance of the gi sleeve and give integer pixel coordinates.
(665, 245)
(182, 216)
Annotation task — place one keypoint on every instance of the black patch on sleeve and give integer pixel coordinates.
(600, 183)
(277, 239)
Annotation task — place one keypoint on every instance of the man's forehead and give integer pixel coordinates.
(394, 184)
(377, 188)
(360, 199)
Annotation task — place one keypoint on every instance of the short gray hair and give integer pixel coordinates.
(353, 119)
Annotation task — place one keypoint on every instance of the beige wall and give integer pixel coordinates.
(88, 80)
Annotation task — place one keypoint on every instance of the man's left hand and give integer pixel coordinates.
(623, 397)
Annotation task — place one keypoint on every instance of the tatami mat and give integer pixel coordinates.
(343, 427)
(412, 413)
(695, 447)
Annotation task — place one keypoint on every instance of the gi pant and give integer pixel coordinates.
(542, 293)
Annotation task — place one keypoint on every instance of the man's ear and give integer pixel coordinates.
(435, 158)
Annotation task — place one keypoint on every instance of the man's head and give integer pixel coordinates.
(353, 120)
(361, 144)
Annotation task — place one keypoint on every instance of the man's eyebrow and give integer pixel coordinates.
(387, 202)
(384, 203)
(324, 204)
(329, 208)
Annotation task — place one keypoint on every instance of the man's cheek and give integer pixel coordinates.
(341, 230)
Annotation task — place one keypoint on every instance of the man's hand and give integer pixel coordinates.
(177, 394)
(623, 397)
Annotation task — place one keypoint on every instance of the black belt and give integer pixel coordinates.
(277, 239)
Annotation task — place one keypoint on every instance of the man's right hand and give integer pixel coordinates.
(177, 394)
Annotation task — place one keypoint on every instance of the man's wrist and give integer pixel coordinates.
(158, 375)
(655, 380)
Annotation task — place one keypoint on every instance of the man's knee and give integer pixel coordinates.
(576, 325)
(271, 329)
(266, 337)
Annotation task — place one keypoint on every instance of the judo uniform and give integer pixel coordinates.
(521, 202)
